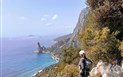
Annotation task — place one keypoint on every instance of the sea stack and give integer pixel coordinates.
(40, 48)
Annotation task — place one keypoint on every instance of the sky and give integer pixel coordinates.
(40, 17)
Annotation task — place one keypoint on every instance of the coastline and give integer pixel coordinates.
(36, 73)
(56, 58)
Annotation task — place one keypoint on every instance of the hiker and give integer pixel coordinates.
(84, 65)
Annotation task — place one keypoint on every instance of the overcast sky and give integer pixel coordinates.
(40, 17)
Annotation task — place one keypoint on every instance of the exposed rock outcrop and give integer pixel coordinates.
(106, 70)
(79, 26)
(70, 39)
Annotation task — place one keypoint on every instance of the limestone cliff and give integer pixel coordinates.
(107, 70)
(70, 39)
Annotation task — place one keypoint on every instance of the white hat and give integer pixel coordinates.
(81, 52)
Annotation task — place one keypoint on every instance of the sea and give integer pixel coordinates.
(18, 58)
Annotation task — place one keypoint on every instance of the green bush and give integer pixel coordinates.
(70, 55)
(69, 71)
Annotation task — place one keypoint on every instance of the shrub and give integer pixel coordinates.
(70, 55)
(70, 71)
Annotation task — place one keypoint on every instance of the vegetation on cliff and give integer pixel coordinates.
(70, 55)
(103, 31)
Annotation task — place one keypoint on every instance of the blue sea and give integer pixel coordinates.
(19, 58)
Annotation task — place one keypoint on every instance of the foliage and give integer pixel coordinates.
(94, 3)
(69, 71)
(100, 44)
(103, 30)
(109, 13)
(121, 48)
(121, 45)
(70, 55)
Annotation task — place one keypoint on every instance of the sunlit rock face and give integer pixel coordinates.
(81, 20)
(107, 70)
(70, 39)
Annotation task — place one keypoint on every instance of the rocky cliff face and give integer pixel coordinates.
(80, 23)
(70, 39)
(61, 43)
(107, 70)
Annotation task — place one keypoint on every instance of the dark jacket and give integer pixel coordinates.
(85, 67)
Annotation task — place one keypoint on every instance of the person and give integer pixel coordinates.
(84, 65)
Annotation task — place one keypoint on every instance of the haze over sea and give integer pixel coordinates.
(19, 59)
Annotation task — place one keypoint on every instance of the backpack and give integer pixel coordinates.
(87, 64)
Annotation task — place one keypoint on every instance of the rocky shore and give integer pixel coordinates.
(55, 57)
(36, 73)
